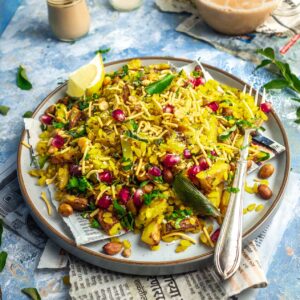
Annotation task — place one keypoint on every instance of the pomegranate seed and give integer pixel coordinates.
(203, 164)
(197, 68)
(154, 171)
(197, 81)
(45, 119)
(213, 106)
(104, 202)
(213, 153)
(171, 160)
(75, 170)
(58, 141)
(124, 195)
(266, 107)
(193, 171)
(137, 197)
(214, 237)
(119, 115)
(187, 154)
(168, 109)
(105, 176)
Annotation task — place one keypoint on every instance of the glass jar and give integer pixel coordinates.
(125, 5)
(68, 19)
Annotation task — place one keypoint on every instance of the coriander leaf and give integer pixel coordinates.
(1, 231)
(4, 110)
(42, 160)
(95, 224)
(32, 293)
(267, 52)
(297, 121)
(231, 189)
(276, 84)
(225, 135)
(58, 124)
(73, 183)
(3, 257)
(134, 125)
(158, 179)
(159, 86)
(120, 210)
(83, 184)
(83, 105)
(131, 135)
(102, 50)
(22, 80)
(263, 63)
(124, 71)
(28, 114)
(144, 183)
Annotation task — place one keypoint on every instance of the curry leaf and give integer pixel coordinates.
(159, 86)
(276, 84)
(3, 256)
(263, 63)
(267, 52)
(22, 80)
(32, 293)
(298, 112)
(4, 110)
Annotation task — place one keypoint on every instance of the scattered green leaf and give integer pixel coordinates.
(22, 80)
(32, 293)
(28, 114)
(102, 51)
(263, 63)
(3, 257)
(159, 86)
(4, 110)
(78, 184)
(124, 71)
(276, 84)
(154, 194)
(134, 125)
(126, 218)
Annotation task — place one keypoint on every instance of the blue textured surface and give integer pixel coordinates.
(28, 41)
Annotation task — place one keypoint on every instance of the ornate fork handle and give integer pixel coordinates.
(229, 246)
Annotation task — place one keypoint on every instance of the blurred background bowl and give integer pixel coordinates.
(235, 17)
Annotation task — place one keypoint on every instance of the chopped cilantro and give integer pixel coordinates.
(158, 179)
(134, 125)
(131, 135)
(124, 71)
(102, 50)
(58, 124)
(126, 218)
(78, 184)
(83, 105)
(231, 189)
(95, 224)
(149, 197)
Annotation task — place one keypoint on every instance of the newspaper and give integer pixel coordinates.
(281, 31)
(80, 227)
(90, 282)
(13, 210)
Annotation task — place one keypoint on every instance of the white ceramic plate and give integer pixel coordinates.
(143, 261)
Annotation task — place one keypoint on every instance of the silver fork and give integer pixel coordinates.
(228, 250)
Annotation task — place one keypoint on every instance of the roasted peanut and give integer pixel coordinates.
(227, 111)
(50, 110)
(264, 192)
(148, 188)
(126, 252)
(112, 248)
(103, 105)
(142, 177)
(249, 164)
(65, 209)
(266, 171)
(167, 175)
(77, 203)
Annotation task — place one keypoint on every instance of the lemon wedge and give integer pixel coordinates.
(88, 79)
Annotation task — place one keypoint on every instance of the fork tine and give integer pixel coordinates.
(263, 100)
(256, 97)
(244, 89)
(250, 91)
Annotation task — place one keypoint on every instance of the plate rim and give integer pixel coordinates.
(71, 243)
